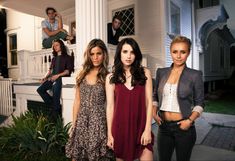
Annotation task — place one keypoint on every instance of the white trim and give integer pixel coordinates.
(10, 29)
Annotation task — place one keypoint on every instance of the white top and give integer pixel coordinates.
(169, 100)
(51, 26)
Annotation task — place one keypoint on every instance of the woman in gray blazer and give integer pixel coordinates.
(179, 101)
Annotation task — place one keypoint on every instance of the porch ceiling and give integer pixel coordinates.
(37, 7)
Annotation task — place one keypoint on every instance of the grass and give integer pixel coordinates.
(224, 104)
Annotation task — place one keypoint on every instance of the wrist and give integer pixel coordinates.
(190, 120)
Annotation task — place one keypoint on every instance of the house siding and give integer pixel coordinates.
(185, 26)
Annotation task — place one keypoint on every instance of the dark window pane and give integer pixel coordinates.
(13, 57)
(13, 42)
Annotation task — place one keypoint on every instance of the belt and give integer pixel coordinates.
(171, 123)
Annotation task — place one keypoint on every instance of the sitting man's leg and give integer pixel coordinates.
(57, 86)
(47, 43)
(42, 91)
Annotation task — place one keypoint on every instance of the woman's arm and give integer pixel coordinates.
(198, 101)
(146, 136)
(76, 105)
(110, 109)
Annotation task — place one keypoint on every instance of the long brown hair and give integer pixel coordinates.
(137, 70)
(88, 65)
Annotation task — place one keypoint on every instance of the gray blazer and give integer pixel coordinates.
(190, 90)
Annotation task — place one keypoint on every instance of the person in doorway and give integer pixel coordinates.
(52, 28)
(129, 105)
(114, 30)
(179, 101)
(61, 65)
(88, 136)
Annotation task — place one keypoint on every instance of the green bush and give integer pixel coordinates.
(32, 137)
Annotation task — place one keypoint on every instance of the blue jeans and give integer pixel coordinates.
(54, 100)
(171, 137)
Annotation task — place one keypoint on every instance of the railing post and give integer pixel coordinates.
(6, 105)
(23, 56)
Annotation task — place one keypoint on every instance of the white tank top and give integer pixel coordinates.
(169, 98)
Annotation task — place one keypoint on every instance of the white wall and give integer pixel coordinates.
(28, 30)
(150, 31)
(149, 28)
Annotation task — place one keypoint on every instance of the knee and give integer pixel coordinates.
(39, 90)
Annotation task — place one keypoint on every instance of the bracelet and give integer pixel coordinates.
(190, 120)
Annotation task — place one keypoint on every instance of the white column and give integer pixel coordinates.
(91, 22)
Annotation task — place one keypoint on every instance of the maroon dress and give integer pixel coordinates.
(129, 122)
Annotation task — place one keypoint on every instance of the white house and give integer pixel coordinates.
(151, 22)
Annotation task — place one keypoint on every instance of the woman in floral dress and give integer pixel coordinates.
(89, 131)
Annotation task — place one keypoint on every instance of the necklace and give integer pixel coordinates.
(128, 76)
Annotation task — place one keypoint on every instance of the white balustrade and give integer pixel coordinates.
(6, 105)
(34, 65)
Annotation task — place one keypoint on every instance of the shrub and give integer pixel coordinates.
(32, 137)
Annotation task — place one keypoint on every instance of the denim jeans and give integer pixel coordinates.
(171, 137)
(56, 90)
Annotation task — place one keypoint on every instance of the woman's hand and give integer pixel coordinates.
(157, 119)
(185, 124)
(146, 137)
(110, 142)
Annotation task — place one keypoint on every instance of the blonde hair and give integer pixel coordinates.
(88, 65)
(183, 39)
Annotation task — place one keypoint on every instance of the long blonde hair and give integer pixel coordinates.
(88, 65)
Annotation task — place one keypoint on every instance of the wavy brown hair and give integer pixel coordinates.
(137, 70)
(88, 65)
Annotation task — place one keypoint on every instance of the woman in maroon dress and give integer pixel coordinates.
(129, 105)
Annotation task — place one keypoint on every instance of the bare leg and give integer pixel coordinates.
(146, 155)
(118, 159)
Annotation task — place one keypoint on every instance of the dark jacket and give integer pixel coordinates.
(113, 39)
(190, 90)
(66, 63)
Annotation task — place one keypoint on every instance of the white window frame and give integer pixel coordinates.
(10, 50)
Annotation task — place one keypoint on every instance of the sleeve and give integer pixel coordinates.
(155, 93)
(69, 64)
(198, 93)
(109, 29)
(44, 24)
(52, 63)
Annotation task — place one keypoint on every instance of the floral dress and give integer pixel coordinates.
(89, 136)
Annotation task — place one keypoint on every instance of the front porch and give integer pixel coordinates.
(33, 66)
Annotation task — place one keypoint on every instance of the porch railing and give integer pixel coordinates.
(6, 105)
(33, 65)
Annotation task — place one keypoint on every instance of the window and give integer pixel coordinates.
(174, 19)
(13, 48)
(208, 3)
(221, 57)
(128, 23)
